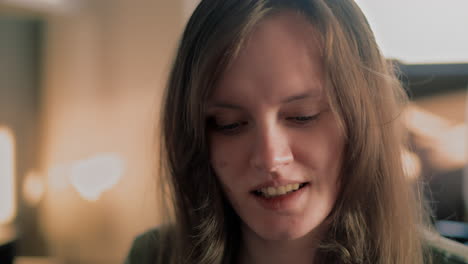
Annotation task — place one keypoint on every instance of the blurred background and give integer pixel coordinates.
(80, 87)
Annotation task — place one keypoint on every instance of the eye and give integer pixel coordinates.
(302, 119)
(231, 128)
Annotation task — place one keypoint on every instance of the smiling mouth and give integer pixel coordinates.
(271, 192)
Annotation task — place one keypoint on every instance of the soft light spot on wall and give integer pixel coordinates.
(91, 177)
(7, 176)
(33, 188)
(58, 177)
(419, 31)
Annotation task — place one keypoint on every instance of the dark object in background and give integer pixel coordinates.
(446, 193)
(7, 246)
(20, 79)
(7, 253)
(432, 79)
(445, 187)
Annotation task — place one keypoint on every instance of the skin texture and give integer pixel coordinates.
(270, 124)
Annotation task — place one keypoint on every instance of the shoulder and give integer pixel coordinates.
(144, 248)
(446, 251)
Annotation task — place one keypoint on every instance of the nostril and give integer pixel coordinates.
(271, 150)
(271, 165)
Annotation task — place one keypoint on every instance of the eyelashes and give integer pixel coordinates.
(214, 125)
(229, 128)
(302, 119)
(236, 127)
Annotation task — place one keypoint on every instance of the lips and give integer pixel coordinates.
(287, 202)
(275, 189)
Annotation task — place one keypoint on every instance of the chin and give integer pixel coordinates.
(282, 236)
(284, 231)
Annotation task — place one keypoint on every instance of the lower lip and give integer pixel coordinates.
(281, 202)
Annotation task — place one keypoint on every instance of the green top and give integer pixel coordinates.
(444, 251)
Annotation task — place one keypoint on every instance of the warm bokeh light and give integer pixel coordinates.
(425, 124)
(91, 177)
(452, 147)
(36, 260)
(49, 6)
(33, 188)
(7, 176)
(411, 165)
(445, 143)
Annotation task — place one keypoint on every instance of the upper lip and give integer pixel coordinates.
(275, 183)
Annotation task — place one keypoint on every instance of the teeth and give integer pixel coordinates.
(269, 191)
(281, 190)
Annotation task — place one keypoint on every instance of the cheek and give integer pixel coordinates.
(230, 149)
(225, 168)
(321, 151)
(219, 163)
(226, 157)
(218, 155)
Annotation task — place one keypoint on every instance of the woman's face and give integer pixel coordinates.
(275, 145)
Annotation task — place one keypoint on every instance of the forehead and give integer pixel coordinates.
(281, 57)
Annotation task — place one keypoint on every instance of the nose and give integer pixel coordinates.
(271, 149)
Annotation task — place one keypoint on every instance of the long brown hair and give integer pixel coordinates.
(378, 214)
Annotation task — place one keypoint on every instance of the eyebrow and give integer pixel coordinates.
(286, 100)
(302, 96)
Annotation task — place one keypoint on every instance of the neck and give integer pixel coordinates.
(257, 250)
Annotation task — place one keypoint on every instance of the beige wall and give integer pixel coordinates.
(105, 66)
